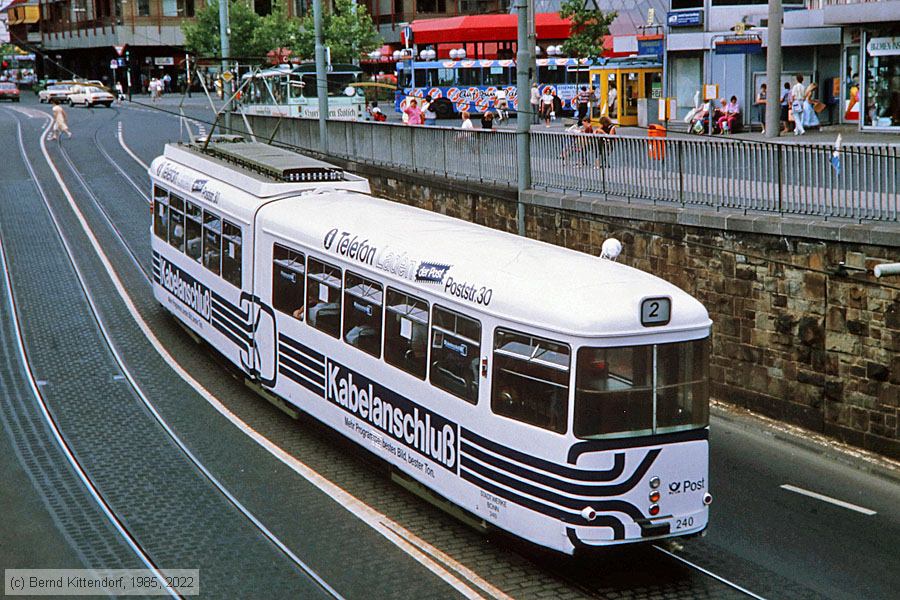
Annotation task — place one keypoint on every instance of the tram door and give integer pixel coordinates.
(629, 84)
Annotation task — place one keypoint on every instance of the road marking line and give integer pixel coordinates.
(127, 149)
(829, 499)
(711, 574)
(377, 521)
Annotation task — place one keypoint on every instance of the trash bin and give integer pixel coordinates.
(656, 149)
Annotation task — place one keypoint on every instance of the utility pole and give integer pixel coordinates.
(523, 125)
(321, 77)
(224, 34)
(773, 70)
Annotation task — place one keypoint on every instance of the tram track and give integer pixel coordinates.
(413, 547)
(582, 587)
(98, 319)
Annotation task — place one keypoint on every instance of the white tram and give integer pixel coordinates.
(290, 91)
(555, 395)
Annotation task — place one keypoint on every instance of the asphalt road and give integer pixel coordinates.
(774, 541)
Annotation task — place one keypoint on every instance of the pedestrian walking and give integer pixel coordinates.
(502, 104)
(785, 100)
(798, 97)
(413, 113)
(581, 103)
(535, 104)
(428, 112)
(546, 106)
(810, 118)
(556, 113)
(167, 82)
(487, 120)
(466, 120)
(60, 122)
(761, 106)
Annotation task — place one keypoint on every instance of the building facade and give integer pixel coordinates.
(699, 29)
(870, 61)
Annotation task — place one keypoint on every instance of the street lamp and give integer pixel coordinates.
(458, 53)
(428, 54)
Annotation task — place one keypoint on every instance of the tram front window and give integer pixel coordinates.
(614, 389)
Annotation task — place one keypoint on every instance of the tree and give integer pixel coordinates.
(347, 30)
(201, 36)
(276, 30)
(589, 27)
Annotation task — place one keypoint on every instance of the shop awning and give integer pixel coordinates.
(486, 28)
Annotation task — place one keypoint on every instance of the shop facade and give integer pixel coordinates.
(879, 80)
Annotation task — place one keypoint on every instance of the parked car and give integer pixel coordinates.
(54, 92)
(9, 91)
(89, 96)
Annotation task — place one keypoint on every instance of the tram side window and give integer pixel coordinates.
(455, 353)
(160, 213)
(323, 297)
(495, 76)
(231, 253)
(193, 221)
(212, 242)
(614, 391)
(446, 77)
(531, 379)
(176, 222)
(288, 281)
(363, 300)
(406, 333)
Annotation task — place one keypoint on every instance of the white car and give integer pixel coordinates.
(90, 96)
(54, 92)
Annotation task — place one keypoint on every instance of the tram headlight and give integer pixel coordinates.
(588, 513)
(707, 499)
(654, 483)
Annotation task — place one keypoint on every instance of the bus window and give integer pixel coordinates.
(403, 78)
(160, 212)
(551, 74)
(288, 280)
(682, 385)
(446, 77)
(468, 76)
(362, 318)
(212, 242)
(323, 297)
(430, 78)
(495, 76)
(406, 333)
(455, 353)
(614, 391)
(176, 222)
(531, 380)
(194, 230)
(231, 253)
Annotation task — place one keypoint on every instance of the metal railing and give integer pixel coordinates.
(721, 175)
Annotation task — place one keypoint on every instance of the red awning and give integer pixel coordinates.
(486, 28)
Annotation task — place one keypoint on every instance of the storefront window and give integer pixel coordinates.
(882, 84)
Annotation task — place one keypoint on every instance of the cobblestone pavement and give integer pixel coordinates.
(173, 512)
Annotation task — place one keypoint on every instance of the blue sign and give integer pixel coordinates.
(654, 47)
(739, 47)
(685, 18)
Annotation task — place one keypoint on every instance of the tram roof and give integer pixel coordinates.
(252, 173)
(533, 282)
